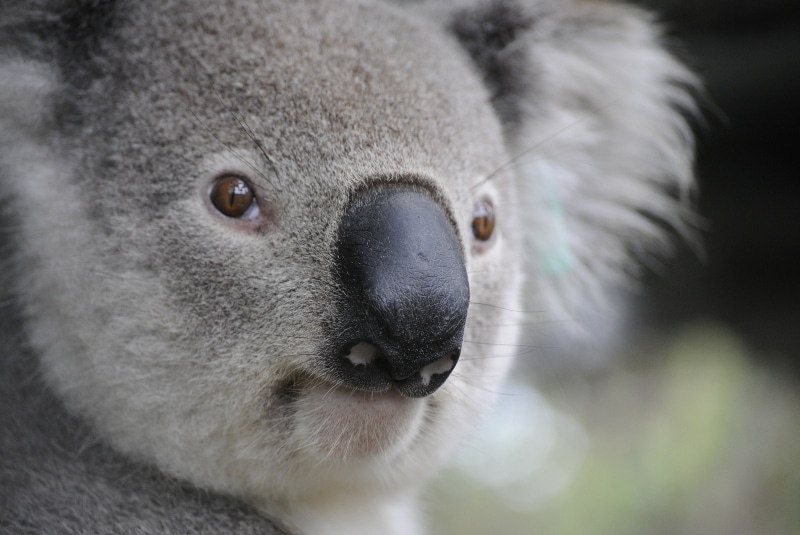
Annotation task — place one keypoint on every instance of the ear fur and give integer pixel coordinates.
(65, 33)
(594, 111)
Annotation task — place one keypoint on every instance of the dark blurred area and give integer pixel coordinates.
(748, 56)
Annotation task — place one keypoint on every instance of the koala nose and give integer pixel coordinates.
(405, 295)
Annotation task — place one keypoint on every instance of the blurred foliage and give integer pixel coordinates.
(692, 440)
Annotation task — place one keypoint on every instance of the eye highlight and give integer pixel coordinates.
(233, 196)
(483, 220)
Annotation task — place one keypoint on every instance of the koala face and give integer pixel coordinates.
(278, 249)
(268, 241)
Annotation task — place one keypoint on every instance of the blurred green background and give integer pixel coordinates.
(693, 427)
(695, 439)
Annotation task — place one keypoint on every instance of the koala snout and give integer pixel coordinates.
(406, 293)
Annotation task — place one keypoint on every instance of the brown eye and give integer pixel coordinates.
(232, 196)
(483, 220)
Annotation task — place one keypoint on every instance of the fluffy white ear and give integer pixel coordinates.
(595, 114)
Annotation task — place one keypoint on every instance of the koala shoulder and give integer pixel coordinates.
(264, 257)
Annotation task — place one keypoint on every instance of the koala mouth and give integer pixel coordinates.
(340, 422)
(364, 366)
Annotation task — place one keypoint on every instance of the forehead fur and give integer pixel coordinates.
(327, 80)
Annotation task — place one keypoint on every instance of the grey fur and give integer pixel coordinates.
(58, 479)
(161, 364)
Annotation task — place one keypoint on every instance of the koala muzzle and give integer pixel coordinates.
(406, 293)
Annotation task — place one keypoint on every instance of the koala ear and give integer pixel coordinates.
(594, 111)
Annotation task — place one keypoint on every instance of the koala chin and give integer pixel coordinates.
(265, 263)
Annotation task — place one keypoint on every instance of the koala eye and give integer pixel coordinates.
(483, 220)
(233, 197)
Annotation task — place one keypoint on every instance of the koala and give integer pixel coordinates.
(265, 264)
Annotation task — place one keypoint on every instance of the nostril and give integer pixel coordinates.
(362, 354)
(443, 365)
(365, 366)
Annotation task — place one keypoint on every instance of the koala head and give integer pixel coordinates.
(278, 249)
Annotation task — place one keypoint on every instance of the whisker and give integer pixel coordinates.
(537, 323)
(258, 172)
(249, 132)
(514, 159)
(490, 305)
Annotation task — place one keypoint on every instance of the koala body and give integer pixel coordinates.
(266, 259)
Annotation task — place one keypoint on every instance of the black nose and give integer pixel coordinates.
(405, 296)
